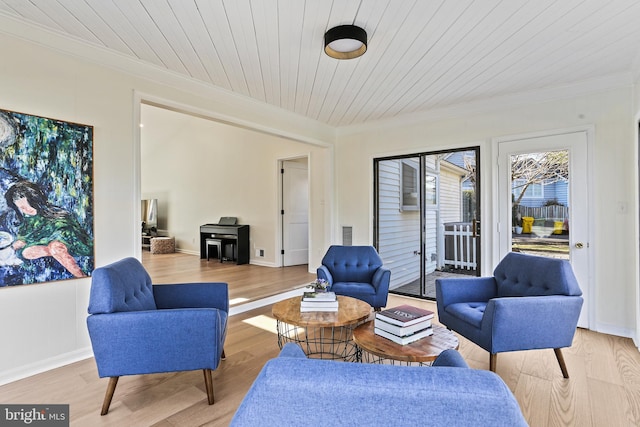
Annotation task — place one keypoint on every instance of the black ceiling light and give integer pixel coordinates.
(345, 42)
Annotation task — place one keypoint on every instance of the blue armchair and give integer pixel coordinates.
(139, 328)
(531, 302)
(356, 271)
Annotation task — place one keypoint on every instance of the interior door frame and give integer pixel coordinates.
(499, 251)
(281, 196)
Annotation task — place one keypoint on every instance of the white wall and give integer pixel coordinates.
(201, 170)
(610, 111)
(44, 325)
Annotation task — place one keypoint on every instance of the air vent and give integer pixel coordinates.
(347, 235)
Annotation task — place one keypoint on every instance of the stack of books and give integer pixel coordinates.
(318, 301)
(403, 324)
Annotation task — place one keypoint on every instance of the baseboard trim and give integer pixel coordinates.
(45, 365)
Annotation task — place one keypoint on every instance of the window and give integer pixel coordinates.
(534, 191)
(409, 185)
(431, 190)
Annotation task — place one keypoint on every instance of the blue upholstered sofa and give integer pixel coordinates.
(292, 390)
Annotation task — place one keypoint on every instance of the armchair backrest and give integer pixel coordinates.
(352, 263)
(122, 286)
(528, 275)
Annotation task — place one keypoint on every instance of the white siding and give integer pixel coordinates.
(399, 234)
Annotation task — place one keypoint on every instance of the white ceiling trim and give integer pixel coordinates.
(82, 50)
(505, 102)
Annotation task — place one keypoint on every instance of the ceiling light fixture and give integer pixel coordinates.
(345, 42)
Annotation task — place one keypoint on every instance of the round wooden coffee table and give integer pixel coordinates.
(373, 348)
(321, 334)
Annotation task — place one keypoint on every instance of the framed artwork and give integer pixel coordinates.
(46, 199)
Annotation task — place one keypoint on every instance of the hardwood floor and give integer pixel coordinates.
(603, 388)
(247, 282)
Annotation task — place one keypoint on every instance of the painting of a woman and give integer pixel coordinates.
(46, 230)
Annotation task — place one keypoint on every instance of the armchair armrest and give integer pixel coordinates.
(324, 273)
(381, 278)
(171, 340)
(292, 350)
(476, 289)
(524, 323)
(192, 295)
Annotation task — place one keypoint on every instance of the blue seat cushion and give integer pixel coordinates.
(353, 288)
(469, 312)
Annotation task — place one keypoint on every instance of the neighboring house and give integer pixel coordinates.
(399, 213)
(538, 195)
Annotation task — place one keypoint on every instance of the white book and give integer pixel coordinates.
(328, 304)
(319, 296)
(311, 309)
(404, 340)
(401, 331)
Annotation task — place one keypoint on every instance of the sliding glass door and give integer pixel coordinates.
(426, 221)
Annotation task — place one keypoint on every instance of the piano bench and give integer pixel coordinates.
(218, 244)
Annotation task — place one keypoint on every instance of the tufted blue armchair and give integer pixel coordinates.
(139, 328)
(356, 271)
(531, 302)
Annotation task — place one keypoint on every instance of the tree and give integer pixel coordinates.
(538, 168)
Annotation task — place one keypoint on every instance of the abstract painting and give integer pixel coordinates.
(46, 199)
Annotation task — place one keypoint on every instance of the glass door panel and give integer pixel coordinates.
(426, 223)
(540, 210)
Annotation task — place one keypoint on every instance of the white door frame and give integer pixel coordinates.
(279, 259)
(500, 249)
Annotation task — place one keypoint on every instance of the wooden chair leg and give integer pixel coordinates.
(563, 366)
(208, 382)
(111, 388)
(493, 358)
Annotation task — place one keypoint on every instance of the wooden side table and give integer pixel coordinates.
(373, 348)
(322, 335)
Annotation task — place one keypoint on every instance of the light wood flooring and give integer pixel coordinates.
(603, 388)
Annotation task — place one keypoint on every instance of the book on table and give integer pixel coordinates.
(320, 309)
(327, 304)
(319, 296)
(404, 315)
(319, 301)
(404, 340)
(401, 331)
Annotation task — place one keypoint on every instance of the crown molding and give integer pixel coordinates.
(548, 94)
(102, 56)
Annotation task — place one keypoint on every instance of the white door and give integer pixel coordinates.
(295, 212)
(574, 228)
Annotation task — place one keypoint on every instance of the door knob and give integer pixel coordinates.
(579, 245)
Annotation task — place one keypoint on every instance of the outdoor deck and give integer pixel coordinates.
(413, 288)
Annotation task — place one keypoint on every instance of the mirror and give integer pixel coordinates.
(149, 216)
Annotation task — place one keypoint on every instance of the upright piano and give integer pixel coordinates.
(236, 233)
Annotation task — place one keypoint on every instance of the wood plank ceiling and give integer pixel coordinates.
(422, 54)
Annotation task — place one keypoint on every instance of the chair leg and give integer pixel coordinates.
(208, 382)
(223, 356)
(111, 388)
(493, 358)
(563, 366)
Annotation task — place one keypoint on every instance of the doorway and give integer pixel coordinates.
(427, 218)
(544, 201)
(294, 211)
